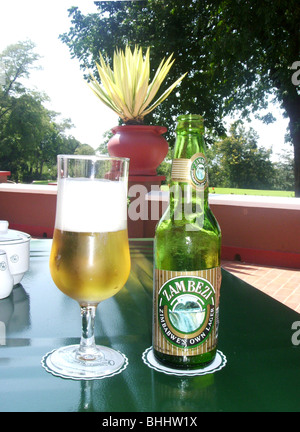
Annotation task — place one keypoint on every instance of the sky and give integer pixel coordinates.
(60, 77)
(62, 80)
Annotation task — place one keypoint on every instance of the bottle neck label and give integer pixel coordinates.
(193, 171)
(198, 171)
(186, 310)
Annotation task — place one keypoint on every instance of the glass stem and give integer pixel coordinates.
(87, 350)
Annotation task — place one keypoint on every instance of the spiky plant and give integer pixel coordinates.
(126, 89)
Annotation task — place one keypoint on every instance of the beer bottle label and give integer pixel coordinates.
(198, 171)
(186, 311)
(192, 171)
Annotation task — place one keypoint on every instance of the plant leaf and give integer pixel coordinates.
(163, 96)
(126, 89)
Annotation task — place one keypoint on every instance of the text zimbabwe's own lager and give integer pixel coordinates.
(187, 259)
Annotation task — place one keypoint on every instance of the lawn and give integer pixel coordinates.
(234, 191)
(217, 190)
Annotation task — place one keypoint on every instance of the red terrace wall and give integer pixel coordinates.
(255, 229)
(259, 234)
(4, 175)
(29, 208)
(262, 230)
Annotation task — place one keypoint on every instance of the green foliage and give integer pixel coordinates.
(237, 53)
(257, 192)
(284, 173)
(30, 137)
(164, 168)
(102, 149)
(237, 161)
(16, 61)
(84, 149)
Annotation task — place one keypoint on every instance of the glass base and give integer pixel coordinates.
(66, 363)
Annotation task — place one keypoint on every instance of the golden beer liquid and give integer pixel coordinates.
(90, 267)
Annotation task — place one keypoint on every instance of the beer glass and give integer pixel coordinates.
(89, 259)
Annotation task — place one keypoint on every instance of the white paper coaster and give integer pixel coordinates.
(218, 363)
(87, 374)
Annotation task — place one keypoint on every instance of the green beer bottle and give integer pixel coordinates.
(187, 259)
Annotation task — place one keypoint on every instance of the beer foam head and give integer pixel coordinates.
(86, 205)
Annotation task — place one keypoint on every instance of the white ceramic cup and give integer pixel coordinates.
(6, 278)
(16, 244)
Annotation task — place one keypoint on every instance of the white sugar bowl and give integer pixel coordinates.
(16, 244)
(6, 279)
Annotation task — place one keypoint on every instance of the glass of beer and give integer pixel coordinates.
(90, 259)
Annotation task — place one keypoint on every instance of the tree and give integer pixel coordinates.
(236, 53)
(102, 149)
(16, 61)
(21, 111)
(284, 173)
(85, 149)
(25, 130)
(236, 161)
(30, 137)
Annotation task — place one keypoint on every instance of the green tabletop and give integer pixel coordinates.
(262, 371)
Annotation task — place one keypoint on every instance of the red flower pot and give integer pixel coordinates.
(143, 144)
